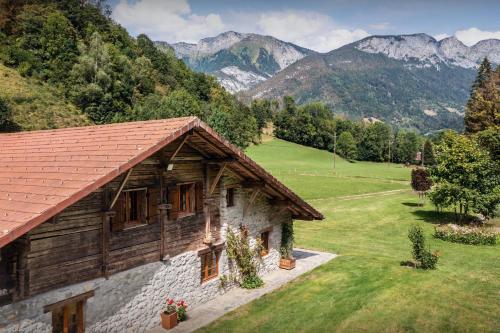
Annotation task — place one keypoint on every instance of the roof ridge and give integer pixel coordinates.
(111, 125)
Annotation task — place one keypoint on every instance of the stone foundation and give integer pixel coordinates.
(131, 301)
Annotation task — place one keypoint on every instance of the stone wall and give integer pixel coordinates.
(131, 301)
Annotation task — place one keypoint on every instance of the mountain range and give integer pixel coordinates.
(411, 81)
(239, 60)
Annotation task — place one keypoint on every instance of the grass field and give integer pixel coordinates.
(365, 289)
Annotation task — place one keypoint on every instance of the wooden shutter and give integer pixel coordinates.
(118, 221)
(153, 196)
(173, 199)
(199, 197)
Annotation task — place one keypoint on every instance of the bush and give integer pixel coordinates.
(466, 235)
(424, 258)
(245, 257)
(252, 282)
(287, 238)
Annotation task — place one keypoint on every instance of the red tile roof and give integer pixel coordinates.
(43, 172)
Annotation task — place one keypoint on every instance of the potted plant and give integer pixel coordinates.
(181, 310)
(286, 250)
(169, 315)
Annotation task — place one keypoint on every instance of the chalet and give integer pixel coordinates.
(100, 224)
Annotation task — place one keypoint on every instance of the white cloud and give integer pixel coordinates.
(380, 26)
(438, 37)
(170, 20)
(174, 21)
(473, 35)
(308, 29)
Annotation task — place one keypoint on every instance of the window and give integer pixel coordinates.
(135, 207)
(264, 237)
(210, 265)
(68, 319)
(230, 197)
(68, 315)
(186, 199)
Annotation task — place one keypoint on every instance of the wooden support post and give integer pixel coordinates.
(217, 178)
(119, 191)
(254, 195)
(106, 229)
(206, 207)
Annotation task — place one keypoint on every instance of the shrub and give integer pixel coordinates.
(423, 257)
(466, 235)
(240, 251)
(287, 238)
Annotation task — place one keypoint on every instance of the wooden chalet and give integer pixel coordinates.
(99, 224)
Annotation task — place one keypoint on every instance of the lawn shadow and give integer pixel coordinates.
(431, 216)
(411, 204)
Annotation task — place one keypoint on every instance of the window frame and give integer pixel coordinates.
(190, 208)
(60, 312)
(205, 276)
(230, 193)
(142, 216)
(265, 242)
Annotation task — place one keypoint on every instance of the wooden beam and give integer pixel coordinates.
(120, 189)
(250, 202)
(193, 146)
(219, 160)
(206, 208)
(217, 178)
(210, 144)
(253, 184)
(74, 299)
(179, 147)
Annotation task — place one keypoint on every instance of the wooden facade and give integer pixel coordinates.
(84, 204)
(80, 243)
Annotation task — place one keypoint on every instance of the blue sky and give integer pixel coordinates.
(317, 24)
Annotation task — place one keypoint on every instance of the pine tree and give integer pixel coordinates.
(482, 109)
(483, 74)
(428, 157)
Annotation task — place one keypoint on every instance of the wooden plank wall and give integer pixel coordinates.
(68, 249)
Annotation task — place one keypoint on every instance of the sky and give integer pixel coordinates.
(319, 25)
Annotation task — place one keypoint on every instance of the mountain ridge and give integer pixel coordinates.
(238, 60)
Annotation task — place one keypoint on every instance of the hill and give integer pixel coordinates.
(410, 81)
(365, 289)
(36, 105)
(238, 60)
(71, 64)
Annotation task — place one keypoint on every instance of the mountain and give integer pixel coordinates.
(238, 60)
(411, 81)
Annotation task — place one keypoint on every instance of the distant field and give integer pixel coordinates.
(365, 289)
(297, 166)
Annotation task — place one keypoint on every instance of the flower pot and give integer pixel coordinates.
(287, 263)
(168, 321)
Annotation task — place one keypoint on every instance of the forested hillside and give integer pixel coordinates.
(74, 66)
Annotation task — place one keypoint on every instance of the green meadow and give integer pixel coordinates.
(368, 209)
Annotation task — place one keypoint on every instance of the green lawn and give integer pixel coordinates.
(365, 289)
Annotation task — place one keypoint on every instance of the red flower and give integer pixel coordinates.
(170, 301)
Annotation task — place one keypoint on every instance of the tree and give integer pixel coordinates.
(4, 114)
(262, 111)
(420, 182)
(428, 153)
(374, 145)
(58, 47)
(346, 146)
(406, 147)
(465, 177)
(101, 81)
(483, 107)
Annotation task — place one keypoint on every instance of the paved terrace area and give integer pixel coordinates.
(204, 314)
